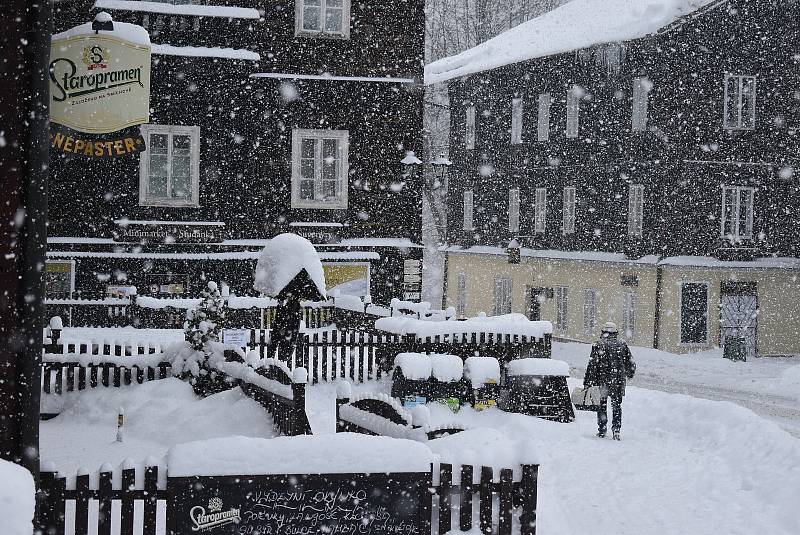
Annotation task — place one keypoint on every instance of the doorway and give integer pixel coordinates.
(739, 314)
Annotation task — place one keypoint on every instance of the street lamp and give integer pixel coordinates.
(410, 163)
(440, 165)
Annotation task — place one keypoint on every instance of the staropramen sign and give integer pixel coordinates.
(100, 80)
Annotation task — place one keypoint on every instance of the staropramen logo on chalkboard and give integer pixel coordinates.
(100, 82)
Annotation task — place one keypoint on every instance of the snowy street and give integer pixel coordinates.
(770, 387)
(693, 465)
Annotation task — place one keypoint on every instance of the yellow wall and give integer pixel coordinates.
(778, 301)
(778, 294)
(604, 277)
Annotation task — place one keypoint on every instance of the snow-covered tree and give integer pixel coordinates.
(204, 324)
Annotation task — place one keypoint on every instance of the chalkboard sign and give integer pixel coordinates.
(301, 504)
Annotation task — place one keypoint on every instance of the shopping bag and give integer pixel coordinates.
(587, 399)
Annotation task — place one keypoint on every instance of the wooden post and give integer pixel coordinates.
(506, 500)
(445, 499)
(82, 502)
(529, 497)
(150, 499)
(465, 499)
(104, 500)
(128, 494)
(486, 500)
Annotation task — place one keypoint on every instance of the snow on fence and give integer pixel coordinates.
(83, 503)
(282, 394)
(136, 500)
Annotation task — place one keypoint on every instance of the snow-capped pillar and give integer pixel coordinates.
(344, 392)
(299, 381)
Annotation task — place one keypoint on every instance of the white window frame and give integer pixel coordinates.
(194, 166)
(635, 210)
(299, 13)
(641, 103)
(469, 132)
(562, 308)
(343, 138)
(570, 202)
(502, 300)
(736, 212)
(589, 311)
(543, 121)
(680, 313)
(461, 300)
(573, 112)
(469, 210)
(517, 109)
(739, 80)
(628, 315)
(513, 210)
(540, 210)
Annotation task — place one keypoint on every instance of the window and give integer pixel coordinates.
(573, 111)
(562, 308)
(59, 279)
(329, 18)
(589, 311)
(461, 305)
(543, 126)
(635, 210)
(694, 313)
(169, 169)
(740, 102)
(737, 213)
(516, 121)
(568, 225)
(641, 97)
(502, 296)
(469, 135)
(540, 211)
(513, 210)
(469, 208)
(628, 315)
(319, 169)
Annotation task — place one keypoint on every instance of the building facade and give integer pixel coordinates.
(266, 117)
(646, 179)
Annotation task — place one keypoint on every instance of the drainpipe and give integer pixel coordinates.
(657, 315)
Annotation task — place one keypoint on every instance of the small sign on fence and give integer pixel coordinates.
(297, 504)
(236, 337)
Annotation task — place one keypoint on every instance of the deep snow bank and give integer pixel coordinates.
(17, 499)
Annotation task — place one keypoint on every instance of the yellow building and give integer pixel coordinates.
(679, 304)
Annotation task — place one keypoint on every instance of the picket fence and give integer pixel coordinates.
(134, 500)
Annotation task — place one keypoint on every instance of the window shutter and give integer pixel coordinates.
(543, 126)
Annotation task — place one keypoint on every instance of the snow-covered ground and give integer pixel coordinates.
(685, 464)
(768, 386)
(158, 415)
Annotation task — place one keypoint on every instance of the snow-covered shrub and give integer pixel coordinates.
(204, 324)
(197, 359)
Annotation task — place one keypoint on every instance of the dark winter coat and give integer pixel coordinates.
(610, 364)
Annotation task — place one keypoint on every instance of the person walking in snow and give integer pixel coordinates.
(610, 365)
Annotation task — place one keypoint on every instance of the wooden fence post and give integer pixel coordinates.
(506, 500)
(105, 491)
(529, 497)
(485, 515)
(150, 499)
(128, 493)
(51, 518)
(465, 499)
(445, 499)
(82, 494)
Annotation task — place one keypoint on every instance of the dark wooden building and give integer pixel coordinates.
(266, 117)
(648, 177)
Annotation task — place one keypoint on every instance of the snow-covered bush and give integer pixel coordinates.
(204, 324)
(196, 359)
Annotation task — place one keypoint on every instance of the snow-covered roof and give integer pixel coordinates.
(122, 30)
(283, 258)
(206, 52)
(179, 9)
(575, 25)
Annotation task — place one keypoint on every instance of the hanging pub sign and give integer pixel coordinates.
(71, 142)
(99, 85)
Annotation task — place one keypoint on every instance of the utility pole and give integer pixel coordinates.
(24, 156)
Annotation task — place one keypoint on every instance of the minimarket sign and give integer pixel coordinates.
(99, 82)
